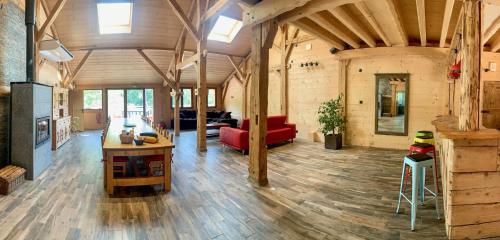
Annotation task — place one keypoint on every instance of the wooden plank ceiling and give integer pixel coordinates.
(154, 26)
(345, 24)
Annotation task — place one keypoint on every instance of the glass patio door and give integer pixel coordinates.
(116, 103)
(135, 103)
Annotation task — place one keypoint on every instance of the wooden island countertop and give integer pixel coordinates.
(113, 147)
(447, 126)
(470, 174)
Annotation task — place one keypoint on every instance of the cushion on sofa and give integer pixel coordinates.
(245, 124)
(278, 135)
(276, 122)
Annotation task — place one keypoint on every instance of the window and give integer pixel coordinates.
(114, 17)
(186, 99)
(225, 29)
(92, 99)
(211, 101)
(149, 102)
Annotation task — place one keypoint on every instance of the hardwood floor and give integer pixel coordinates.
(313, 194)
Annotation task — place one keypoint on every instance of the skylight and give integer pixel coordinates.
(114, 17)
(225, 29)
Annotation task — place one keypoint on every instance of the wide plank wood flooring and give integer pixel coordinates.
(313, 194)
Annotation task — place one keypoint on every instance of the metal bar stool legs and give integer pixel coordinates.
(417, 163)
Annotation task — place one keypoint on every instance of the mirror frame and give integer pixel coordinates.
(378, 77)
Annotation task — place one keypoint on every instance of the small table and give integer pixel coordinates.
(213, 129)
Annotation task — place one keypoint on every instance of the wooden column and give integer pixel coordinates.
(201, 84)
(262, 38)
(468, 116)
(177, 97)
(284, 70)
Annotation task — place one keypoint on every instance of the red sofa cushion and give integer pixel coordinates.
(276, 122)
(238, 138)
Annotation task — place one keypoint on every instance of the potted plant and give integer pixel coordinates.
(332, 122)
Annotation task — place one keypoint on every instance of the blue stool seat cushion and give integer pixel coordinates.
(419, 157)
(422, 145)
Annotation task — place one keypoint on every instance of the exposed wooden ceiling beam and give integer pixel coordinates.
(448, 10)
(289, 47)
(491, 30)
(457, 33)
(319, 33)
(244, 5)
(351, 23)
(312, 7)
(267, 10)
(50, 19)
(373, 22)
(328, 25)
(79, 68)
(143, 48)
(421, 22)
(495, 46)
(392, 51)
(396, 17)
(188, 62)
(240, 74)
(184, 19)
(168, 79)
(216, 9)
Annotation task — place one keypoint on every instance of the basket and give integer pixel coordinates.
(11, 177)
(126, 139)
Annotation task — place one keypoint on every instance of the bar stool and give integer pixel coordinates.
(423, 143)
(417, 163)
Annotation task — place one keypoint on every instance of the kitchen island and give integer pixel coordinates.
(470, 172)
(113, 147)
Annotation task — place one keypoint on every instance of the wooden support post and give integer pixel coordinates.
(177, 97)
(245, 96)
(262, 37)
(284, 70)
(201, 84)
(468, 117)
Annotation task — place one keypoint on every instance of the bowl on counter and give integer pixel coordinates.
(139, 141)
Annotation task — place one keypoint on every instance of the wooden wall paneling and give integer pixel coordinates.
(283, 70)
(468, 117)
(361, 6)
(351, 23)
(422, 22)
(262, 37)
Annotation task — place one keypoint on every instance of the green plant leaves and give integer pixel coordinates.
(330, 116)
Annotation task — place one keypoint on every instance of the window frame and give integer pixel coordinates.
(118, 29)
(230, 36)
(83, 96)
(182, 99)
(215, 95)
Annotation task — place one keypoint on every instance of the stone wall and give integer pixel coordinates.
(12, 63)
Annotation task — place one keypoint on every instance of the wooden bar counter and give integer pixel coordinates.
(470, 172)
(113, 147)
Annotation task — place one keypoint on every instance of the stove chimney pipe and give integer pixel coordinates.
(30, 20)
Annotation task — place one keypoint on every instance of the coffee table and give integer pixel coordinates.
(213, 129)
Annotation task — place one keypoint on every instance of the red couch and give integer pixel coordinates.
(278, 130)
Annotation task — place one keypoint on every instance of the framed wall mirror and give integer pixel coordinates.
(391, 105)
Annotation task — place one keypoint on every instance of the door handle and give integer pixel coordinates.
(485, 111)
